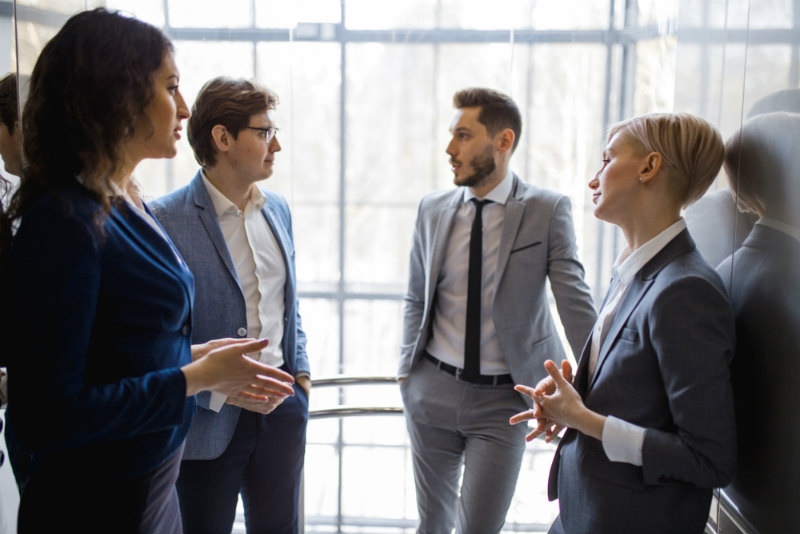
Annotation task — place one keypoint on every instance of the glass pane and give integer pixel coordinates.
(372, 341)
(151, 11)
(772, 14)
(569, 15)
(714, 13)
(307, 80)
(368, 14)
(360, 494)
(377, 245)
(655, 75)
(210, 13)
(321, 480)
(316, 231)
(321, 325)
(389, 130)
(287, 13)
(473, 15)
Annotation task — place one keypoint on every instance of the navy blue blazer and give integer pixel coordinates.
(665, 366)
(101, 325)
(189, 217)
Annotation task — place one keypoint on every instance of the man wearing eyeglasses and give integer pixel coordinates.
(237, 240)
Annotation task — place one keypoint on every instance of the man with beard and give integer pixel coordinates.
(477, 318)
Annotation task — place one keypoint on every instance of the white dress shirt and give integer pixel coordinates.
(788, 229)
(622, 441)
(259, 265)
(450, 314)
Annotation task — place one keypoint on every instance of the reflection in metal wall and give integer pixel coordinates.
(763, 278)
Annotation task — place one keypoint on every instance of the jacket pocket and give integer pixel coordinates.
(595, 463)
(629, 334)
(523, 247)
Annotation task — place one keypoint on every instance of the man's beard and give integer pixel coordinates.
(483, 165)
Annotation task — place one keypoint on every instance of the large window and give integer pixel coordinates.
(365, 89)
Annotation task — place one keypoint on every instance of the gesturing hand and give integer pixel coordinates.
(546, 386)
(227, 370)
(559, 402)
(255, 405)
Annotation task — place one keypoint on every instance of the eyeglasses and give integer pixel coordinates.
(266, 133)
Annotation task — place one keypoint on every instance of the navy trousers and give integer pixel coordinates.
(264, 461)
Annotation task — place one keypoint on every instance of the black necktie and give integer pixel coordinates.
(472, 336)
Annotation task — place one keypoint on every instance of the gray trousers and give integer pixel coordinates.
(453, 424)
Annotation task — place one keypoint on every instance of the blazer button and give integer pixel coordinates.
(186, 330)
(242, 331)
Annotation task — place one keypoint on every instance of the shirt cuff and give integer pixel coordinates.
(622, 441)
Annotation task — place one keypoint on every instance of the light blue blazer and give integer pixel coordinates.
(189, 218)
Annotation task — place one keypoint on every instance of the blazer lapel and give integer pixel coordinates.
(208, 217)
(641, 283)
(441, 233)
(138, 230)
(515, 210)
(283, 239)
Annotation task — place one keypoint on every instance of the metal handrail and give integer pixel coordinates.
(344, 380)
(348, 411)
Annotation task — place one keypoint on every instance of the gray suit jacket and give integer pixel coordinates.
(763, 281)
(537, 243)
(189, 218)
(665, 366)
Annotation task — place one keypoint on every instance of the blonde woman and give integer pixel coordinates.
(650, 411)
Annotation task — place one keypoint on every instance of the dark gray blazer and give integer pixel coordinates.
(537, 243)
(765, 291)
(189, 218)
(664, 366)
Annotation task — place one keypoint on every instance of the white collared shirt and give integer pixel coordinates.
(138, 208)
(788, 229)
(450, 314)
(622, 441)
(259, 264)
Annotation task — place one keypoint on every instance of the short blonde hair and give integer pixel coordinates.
(691, 149)
(760, 162)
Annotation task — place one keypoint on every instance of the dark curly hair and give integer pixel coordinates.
(8, 117)
(8, 101)
(88, 88)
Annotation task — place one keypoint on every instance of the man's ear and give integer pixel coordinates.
(650, 167)
(505, 140)
(221, 138)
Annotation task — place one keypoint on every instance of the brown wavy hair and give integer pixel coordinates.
(89, 86)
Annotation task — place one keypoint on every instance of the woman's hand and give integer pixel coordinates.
(546, 386)
(225, 368)
(564, 406)
(200, 350)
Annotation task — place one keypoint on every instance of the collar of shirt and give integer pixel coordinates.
(117, 191)
(500, 192)
(629, 263)
(788, 229)
(222, 204)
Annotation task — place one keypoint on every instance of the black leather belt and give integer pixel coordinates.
(483, 380)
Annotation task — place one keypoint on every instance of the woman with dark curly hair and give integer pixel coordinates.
(101, 371)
